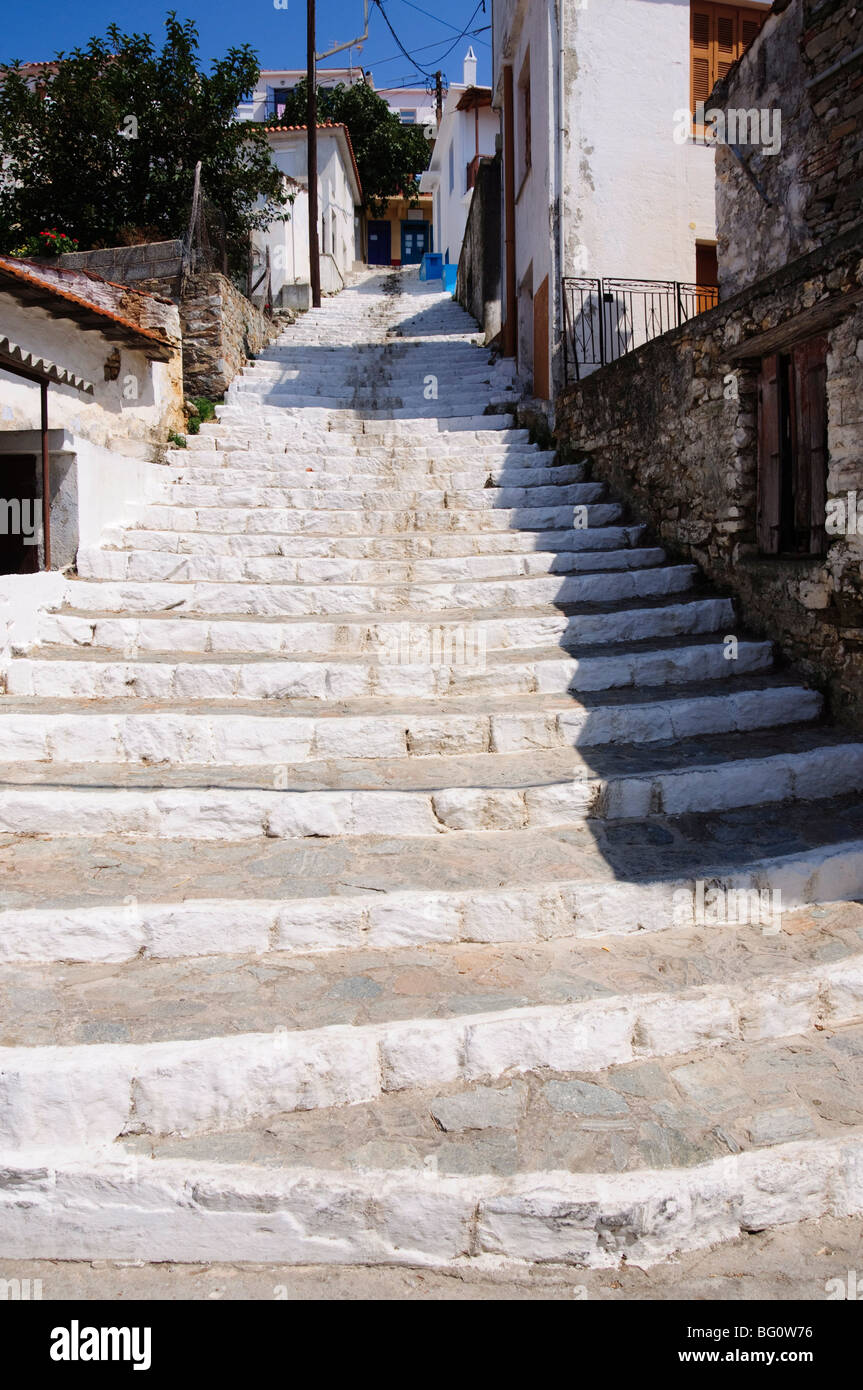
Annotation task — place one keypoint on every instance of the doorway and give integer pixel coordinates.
(415, 242)
(19, 514)
(380, 243)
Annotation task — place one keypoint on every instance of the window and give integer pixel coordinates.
(408, 117)
(718, 36)
(451, 169)
(524, 117)
(792, 450)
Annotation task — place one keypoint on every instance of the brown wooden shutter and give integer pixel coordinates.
(727, 41)
(701, 53)
(769, 518)
(750, 26)
(809, 368)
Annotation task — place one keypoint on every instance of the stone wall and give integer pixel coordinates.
(672, 428)
(160, 261)
(221, 331)
(782, 205)
(478, 287)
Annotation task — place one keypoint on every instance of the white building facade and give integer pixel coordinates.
(597, 182)
(339, 211)
(468, 130)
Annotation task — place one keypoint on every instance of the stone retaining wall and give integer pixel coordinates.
(478, 284)
(221, 331)
(672, 428)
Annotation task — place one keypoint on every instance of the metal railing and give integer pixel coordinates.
(605, 319)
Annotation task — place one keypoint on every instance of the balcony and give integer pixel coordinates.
(605, 319)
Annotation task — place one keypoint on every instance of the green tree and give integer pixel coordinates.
(105, 149)
(390, 156)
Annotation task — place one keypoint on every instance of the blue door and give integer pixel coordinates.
(380, 243)
(415, 242)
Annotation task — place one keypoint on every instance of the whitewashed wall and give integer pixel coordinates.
(114, 417)
(451, 206)
(288, 242)
(610, 192)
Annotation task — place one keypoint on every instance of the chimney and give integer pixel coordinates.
(470, 68)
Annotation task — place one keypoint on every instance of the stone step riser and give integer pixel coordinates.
(132, 564)
(143, 1210)
(318, 425)
(370, 521)
(390, 676)
(94, 1094)
(246, 740)
(240, 814)
(348, 474)
(551, 911)
(403, 547)
(248, 637)
(307, 600)
(366, 455)
(335, 497)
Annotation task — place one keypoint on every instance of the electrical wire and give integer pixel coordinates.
(411, 59)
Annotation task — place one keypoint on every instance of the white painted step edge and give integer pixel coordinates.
(129, 1208)
(93, 1094)
(117, 932)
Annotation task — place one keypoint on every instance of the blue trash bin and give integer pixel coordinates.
(431, 266)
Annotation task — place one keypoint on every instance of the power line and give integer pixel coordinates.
(410, 57)
(445, 22)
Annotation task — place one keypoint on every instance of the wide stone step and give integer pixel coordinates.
(342, 473)
(447, 794)
(371, 521)
(335, 497)
(422, 640)
(132, 563)
(199, 1051)
(203, 739)
(130, 1208)
(260, 422)
(90, 595)
(65, 899)
(402, 668)
(406, 546)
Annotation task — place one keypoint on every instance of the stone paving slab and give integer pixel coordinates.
(668, 1113)
(154, 1001)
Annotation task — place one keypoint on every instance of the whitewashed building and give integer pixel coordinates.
(91, 387)
(596, 186)
(284, 246)
(468, 130)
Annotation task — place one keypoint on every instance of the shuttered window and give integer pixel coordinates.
(792, 450)
(718, 36)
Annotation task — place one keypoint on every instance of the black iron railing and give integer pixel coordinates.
(605, 319)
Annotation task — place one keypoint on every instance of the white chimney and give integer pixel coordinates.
(470, 68)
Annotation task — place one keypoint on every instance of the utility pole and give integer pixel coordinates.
(312, 130)
(438, 99)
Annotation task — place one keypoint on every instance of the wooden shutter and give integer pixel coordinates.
(718, 36)
(809, 425)
(751, 24)
(769, 520)
(701, 45)
(727, 40)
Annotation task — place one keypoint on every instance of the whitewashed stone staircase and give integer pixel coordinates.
(353, 806)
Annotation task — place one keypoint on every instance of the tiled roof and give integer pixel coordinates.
(323, 125)
(29, 283)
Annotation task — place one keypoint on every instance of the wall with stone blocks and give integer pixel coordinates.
(802, 65)
(672, 428)
(221, 331)
(478, 287)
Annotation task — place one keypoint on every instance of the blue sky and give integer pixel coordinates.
(426, 28)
